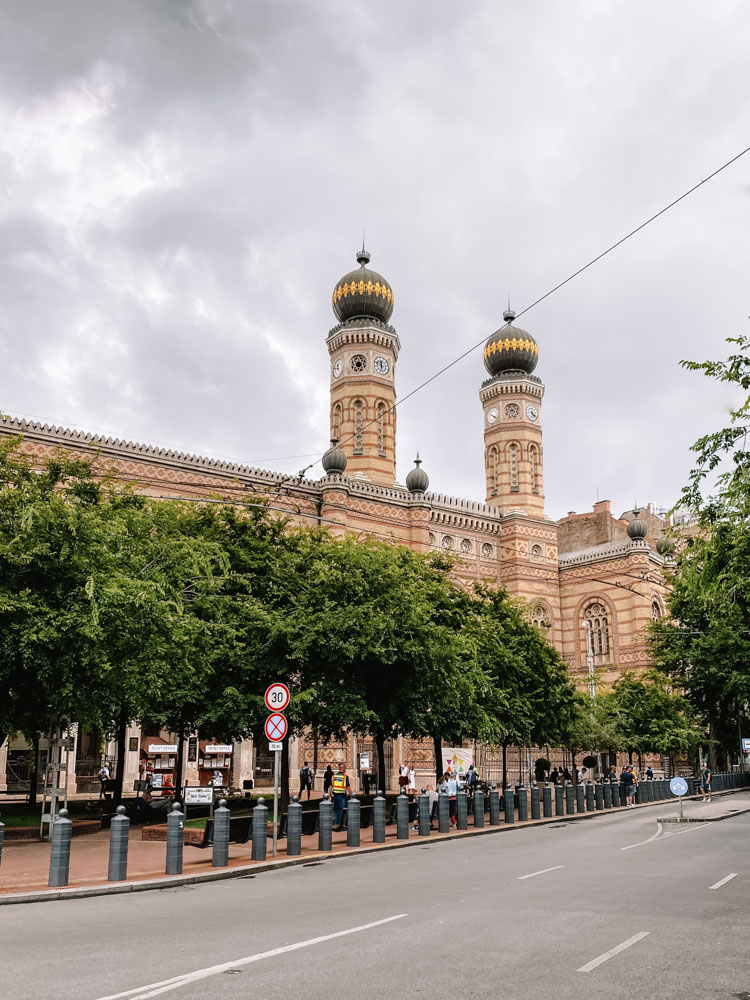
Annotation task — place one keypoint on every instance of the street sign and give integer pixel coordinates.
(364, 762)
(276, 727)
(745, 744)
(276, 745)
(277, 697)
(678, 786)
(198, 795)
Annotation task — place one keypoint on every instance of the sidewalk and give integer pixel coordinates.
(697, 811)
(25, 864)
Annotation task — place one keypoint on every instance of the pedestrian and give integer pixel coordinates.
(451, 789)
(366, 782)
(579, 775)
(411, 787)
(706, 782)
(613, 775)
(327, 779)
(553, 775)
(340, 792)
(103, 779)
(649, 774)
(635, 781)
(567, 775)
(403, 777)
(432, 798)
(305, 780)
(626, 780)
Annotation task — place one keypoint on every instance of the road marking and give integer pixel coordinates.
(156, 989)
(668, 836)
(543, 870)
(641, 842)
(613, 951)
(718, 885)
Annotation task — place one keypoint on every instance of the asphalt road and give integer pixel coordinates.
(479, 917)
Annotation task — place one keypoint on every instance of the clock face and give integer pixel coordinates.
(492, 415)
(381, 366)
(338, 367)
(512, 411)
(531, 412)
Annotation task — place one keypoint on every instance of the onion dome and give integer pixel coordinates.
(417, 481)
(334, 460)
(665, 546)
(362, 294)
(637, 529)
(510, 349)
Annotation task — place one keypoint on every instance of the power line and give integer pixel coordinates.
(551, 291)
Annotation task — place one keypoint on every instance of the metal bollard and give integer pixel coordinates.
(118, 846)
(59, 859)
(607, 792)
(325, 825)
(175, 837)
(294, 828)
(462, 811)
(510, 811)
(478, 808)
(2, 837)
(570, 799)
(589, 797)
(260, 831)
(402, 817)
(444, 812)
(546, 801)
(599, 796)
(535, 801)
(559, 800)
(353, 813)
(220, 849)
(523, 805)
(494, 806)
(423, 809)
(580, 798)
(378, 819)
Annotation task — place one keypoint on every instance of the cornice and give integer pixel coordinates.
(359, 333)
(505, 385)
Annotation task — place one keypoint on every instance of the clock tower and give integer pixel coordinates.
(512, 399)
(363, 351)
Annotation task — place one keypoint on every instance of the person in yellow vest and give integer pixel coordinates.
(340, 791)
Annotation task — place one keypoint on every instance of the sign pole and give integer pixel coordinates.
(276, 755)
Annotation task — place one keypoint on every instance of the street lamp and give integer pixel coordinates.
(588, 626)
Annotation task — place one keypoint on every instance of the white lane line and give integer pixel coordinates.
(613, 951)
(541, 872)
(165, 985)
(641, 842)
(728, 878)
(668, 836)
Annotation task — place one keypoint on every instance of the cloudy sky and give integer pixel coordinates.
(182, 184)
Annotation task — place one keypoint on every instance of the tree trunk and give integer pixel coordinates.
(180, 763)
(122, 728)
(573, 768)
(33, 768)
(630, 755)
(382, 781)
(505, 766)
(437, 744)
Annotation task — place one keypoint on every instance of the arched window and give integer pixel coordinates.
(380, 410)
(536, 552)
(513, 463)
(359, 421)
(336, 422)
(540, 618)
(493, 471)
(534, 467)
(655, 610)
(597, 632)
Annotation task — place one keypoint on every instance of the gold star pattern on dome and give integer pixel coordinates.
(362, 287)
(511, 344)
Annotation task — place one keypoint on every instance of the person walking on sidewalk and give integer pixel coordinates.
(626, 780)
(327, 779)
(706, 782)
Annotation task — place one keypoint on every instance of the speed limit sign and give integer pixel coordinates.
(277, 697)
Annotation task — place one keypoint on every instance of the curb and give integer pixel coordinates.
(243, 871)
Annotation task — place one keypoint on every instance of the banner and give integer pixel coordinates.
(457, 759)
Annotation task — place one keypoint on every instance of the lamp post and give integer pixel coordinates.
(588, 626)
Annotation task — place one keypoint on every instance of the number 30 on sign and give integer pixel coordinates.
(277, 697)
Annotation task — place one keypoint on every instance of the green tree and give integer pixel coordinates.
(651, 717)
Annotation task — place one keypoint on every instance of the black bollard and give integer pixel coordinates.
(294, 828)
(623, 795)
(175, 838)
(589, 797)
(423, 809)
(546, 801)
(607, 790)
(559, 800)
(260, 831)
(523, 805)
(353, 813)
(599, 796)
(59, 859)
(510, 811)
(402, 816)
(118, 846)
(580, 798)
(478, 808)
(494, 806)
(325, 825)
(462, 812)
(378, 819)
(535, 813)
(444, 812)
(570, 799)
(220, 849)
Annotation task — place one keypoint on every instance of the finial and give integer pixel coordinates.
(509, 315)
(417, 460)
(363, 256)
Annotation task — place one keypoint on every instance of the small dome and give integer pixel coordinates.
(637, 529)
(417, 481)
(362, 294)
(665, 546)
(510, 349)
(334, 460)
